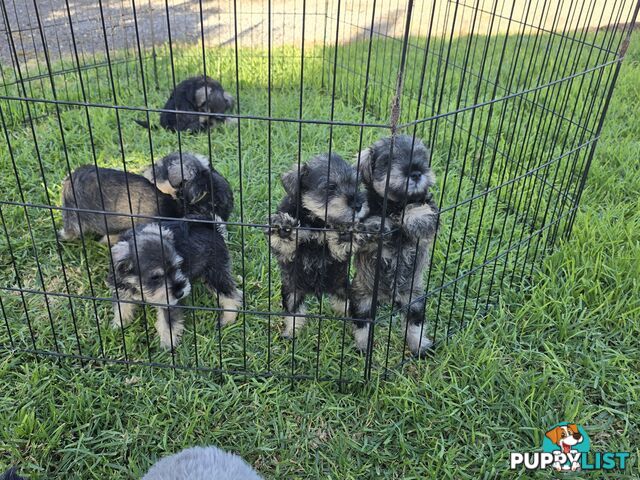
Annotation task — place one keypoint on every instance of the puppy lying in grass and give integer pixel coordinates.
(190, 179)
(199, 95)
(157, 264)
(109, 190)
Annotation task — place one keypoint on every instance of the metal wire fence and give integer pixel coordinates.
(509, 97)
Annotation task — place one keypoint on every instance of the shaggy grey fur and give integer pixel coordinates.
(202, 463)
(93, 188)
(411, 222)
(189, 178)
(313, 256)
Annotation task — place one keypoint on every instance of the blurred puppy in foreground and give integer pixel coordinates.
(202, 463)
(411, 222)
(157, 264)
(309, 235)
(109, 190)
(189, 178)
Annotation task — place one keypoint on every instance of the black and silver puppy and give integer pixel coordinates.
(410, 227)
(323, 194)
(167, 259)
(199, 95)
(109, 190)
(11, 474)
(189, 178)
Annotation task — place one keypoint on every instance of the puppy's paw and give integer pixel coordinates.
(361, 339)
(361, 234)
(67, 236)
(420, 210)
(292, 328)
(419, 344)
(283, 225)
(373, 225)
(166, 344)
(170, 341)
(110, 239)
(227, 318)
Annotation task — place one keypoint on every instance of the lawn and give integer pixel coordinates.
(558, 347)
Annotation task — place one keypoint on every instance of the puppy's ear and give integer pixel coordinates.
(573, 427)
(365, 166)
(121, 255)
(229, 101)
(291, 181)
(554, 435)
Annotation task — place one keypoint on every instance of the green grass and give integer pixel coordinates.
(561, 346)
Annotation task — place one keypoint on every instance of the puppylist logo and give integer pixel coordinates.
(567, 447)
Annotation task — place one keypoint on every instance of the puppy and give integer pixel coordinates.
(202, 463)
(168, 258)
(197, 94)
(410, 226)
(11, 474)
(322, 195)
(190, 179)
(105, 189)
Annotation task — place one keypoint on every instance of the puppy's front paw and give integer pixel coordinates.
(361, 234)
(292, 328)
(283, 225)
(419, 210)
(227, 318)
(373, 227)
(417, 341)
(361, 338)
(116, 323)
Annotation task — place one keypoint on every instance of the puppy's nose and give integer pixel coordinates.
(284, 232)
(356, 203)
(577, 436)
(180, 291)
(415, 175)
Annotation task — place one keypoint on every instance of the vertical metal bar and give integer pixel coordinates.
(393, 123)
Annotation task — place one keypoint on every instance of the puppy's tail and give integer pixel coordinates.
(144, 124)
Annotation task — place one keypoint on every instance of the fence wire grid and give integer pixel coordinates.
(509, 96)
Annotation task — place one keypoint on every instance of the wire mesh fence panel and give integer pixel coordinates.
(335, 116)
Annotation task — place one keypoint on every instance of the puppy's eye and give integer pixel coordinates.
(332, 187)
(156, 278)
(286, 229)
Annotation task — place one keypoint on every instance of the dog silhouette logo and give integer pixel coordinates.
(571, 440)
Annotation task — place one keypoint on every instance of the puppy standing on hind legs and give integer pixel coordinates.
(410, 225)
(321, 194)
